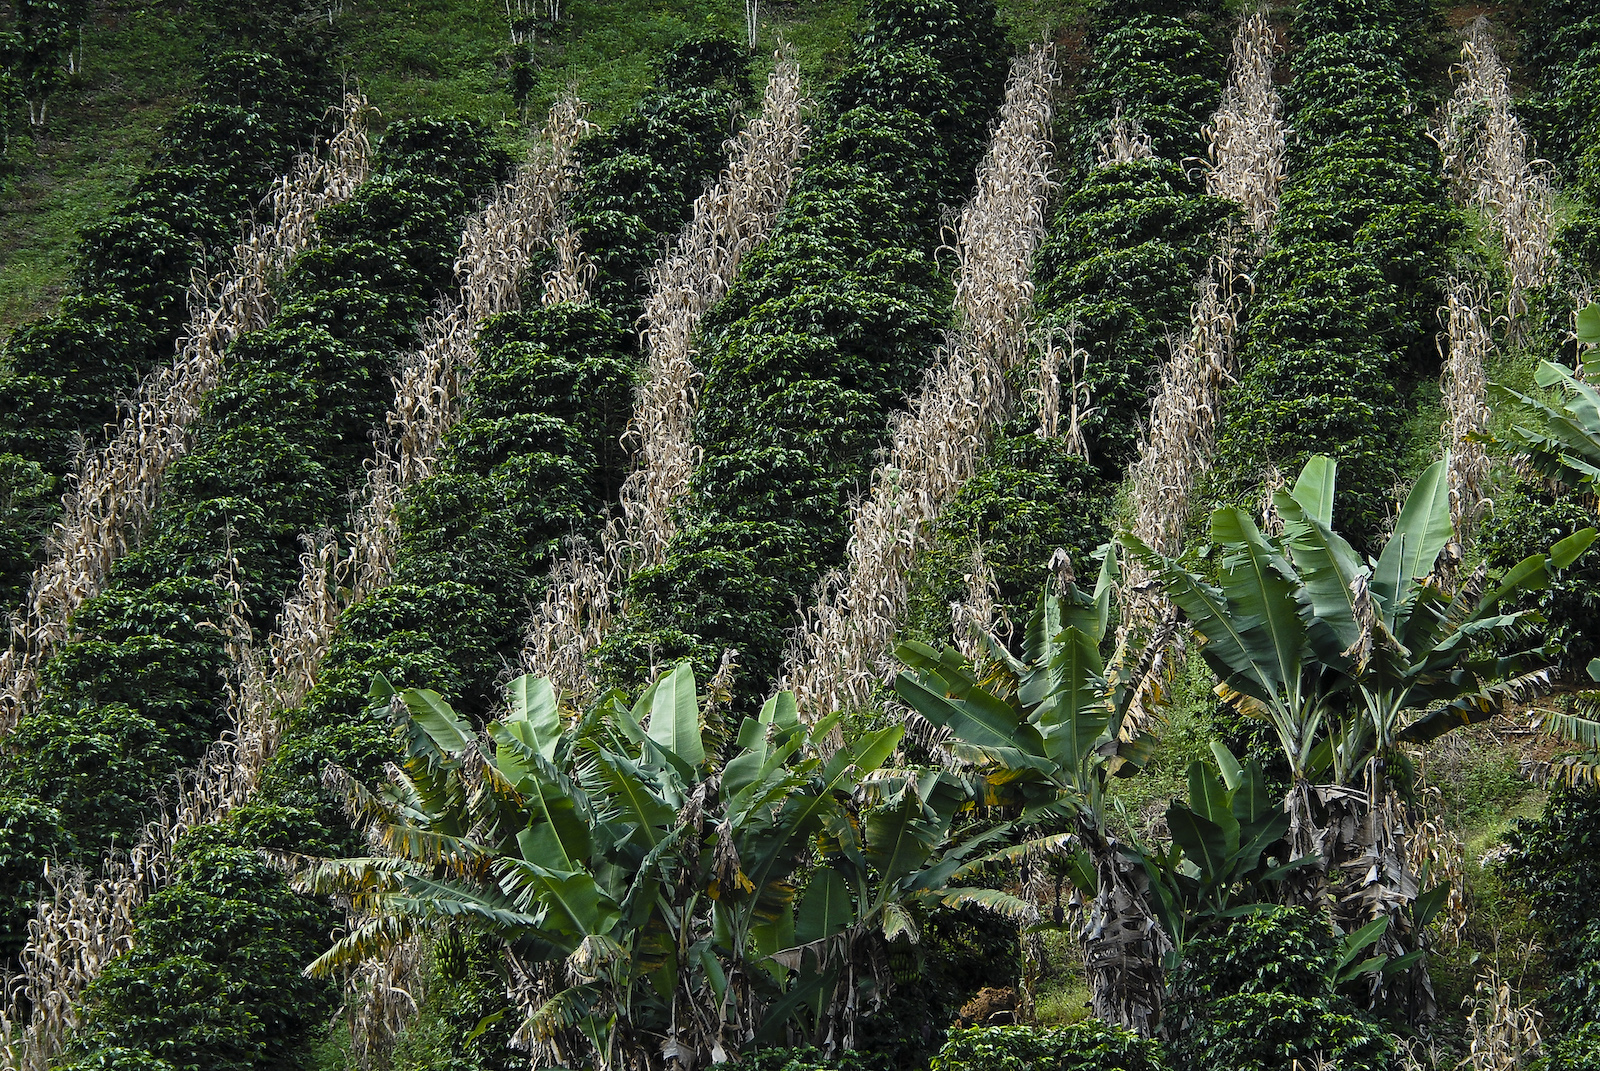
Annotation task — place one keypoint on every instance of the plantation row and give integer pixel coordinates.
(830, 323)
(1555, 859)
(1342, 320)
(1113, 279)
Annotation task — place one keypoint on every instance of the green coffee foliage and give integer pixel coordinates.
(1033, 496)
(830, 324)
(31, 835)
(535, 460)
(1115, 279)
(1085, 1046)
(1117, 275)
(1570, 605)
(137, 694)
(1343, 314)
(1577, 1050)
(808, 1059)
(1576, 996)
(28, 496)
(254, 112)
(1259, 995)
(1555, 861)
(467, 990)
(214, 981)
(637, 181)
(1156, 66)
(1270, 1031)
(1559, 44)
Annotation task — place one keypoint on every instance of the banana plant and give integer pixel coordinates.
(1347, 658)
(1227, 855)
(1052, 727)
(899, 849)
(609, 846)
(1562, 443)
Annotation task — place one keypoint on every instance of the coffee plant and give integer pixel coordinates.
(138, 691)
(641, 417)
(1115, 278)
(65, 373)
(831, 323)
(1341, 320)
(535, 459)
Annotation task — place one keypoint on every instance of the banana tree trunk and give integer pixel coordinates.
(1373, 857)
(1360, 837)
(1124, 945)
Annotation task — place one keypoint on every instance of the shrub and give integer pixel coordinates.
(1116, 274)
(137, 692)
(1555, 861)
(214, 980)
(1570, 605)
(1276, 1031)
(535, 459)
(31, 835)
(1578, 1050)
(133, 268)
(1085, 1046)
(1259, 995)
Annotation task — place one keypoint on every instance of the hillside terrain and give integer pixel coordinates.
(899, 535)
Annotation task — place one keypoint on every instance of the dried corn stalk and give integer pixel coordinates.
(1502, 1034)
(571, 619)
(1125, 143)
(1486, 157)
(1247, 138)
(568, 282)
(382, 995)
(1246, 149)
(1464, 348)
(972, 619)
(1436, 851)
(729, 220)
(116, 489)
(844, 646)
(496, 245)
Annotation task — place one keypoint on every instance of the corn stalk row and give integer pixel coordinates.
(87, 921)
(1464, 347)
(1247, 149)
(729, 220)
(1486, 158)
(843, 648)
(116, 489)
(1247, 136)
